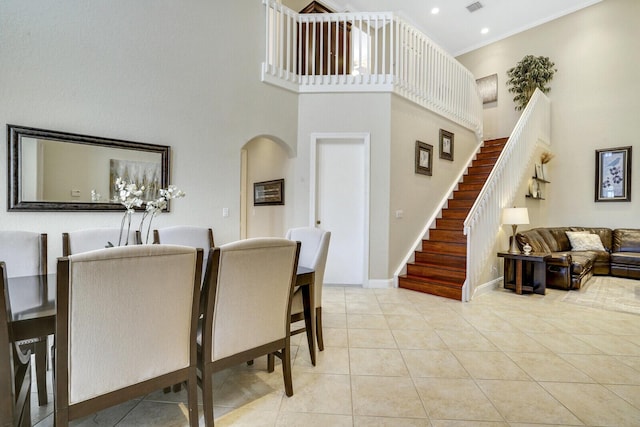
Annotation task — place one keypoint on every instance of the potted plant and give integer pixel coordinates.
(530, 73)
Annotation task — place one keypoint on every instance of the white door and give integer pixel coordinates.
(341, 206)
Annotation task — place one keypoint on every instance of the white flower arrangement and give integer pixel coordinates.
(129, 197)
(155, 207)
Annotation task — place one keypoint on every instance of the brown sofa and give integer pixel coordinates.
(570, 269)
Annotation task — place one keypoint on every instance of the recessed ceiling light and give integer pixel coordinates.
(435, 10)
(484, 30)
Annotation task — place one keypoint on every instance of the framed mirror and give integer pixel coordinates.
(51, 171)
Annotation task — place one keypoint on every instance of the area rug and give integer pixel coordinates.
(608, 293)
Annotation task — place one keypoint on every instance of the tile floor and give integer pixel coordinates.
(400, 358)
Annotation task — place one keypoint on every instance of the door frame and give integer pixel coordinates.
(365, 139)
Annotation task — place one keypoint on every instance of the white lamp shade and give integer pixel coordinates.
(515, 216)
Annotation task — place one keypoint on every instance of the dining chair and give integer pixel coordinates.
(75, 242)
(15, 367)
(25, 254)
(313, 255)
(187, 235)
(247, 291)
(126, 325)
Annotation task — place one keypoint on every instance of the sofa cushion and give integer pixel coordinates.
(627, 258)
(560, 236)
(549, 239)
(584, 241)
(626, 240)
(533, 238)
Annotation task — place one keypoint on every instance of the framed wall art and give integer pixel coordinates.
(488, 88)
(613, 175)
(424, 158)
(446, 145)
(268, 193)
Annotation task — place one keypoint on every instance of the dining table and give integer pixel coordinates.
(32, 300)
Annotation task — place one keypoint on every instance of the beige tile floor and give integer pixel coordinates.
(400, 358)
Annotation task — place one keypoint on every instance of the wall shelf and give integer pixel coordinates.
(536, 185)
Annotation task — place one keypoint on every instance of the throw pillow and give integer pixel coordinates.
(581, 241)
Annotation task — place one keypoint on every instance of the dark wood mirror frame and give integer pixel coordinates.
(15, 201)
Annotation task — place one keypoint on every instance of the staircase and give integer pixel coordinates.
(440, 267)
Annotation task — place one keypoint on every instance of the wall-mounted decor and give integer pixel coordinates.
(488, 88)
(446, 145)
(613, 175)
(51, 170)
(424, 158)
(268, 193)
(145, 175)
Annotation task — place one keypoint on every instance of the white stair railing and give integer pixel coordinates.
(483, 222)
(366, 52)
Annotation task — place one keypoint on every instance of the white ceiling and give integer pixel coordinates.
(457, 30)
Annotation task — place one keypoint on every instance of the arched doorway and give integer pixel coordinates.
(264, 158)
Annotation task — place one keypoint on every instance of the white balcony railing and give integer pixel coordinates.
(366, 52)
(482, 224)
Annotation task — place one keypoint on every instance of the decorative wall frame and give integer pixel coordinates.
(446, 145)
(613, 175)
(424, 158)
(488, 88)
(267, 193)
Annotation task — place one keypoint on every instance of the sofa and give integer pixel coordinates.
(577, 254)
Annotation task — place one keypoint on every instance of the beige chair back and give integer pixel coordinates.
(251, 295)
(313, 254)
(24, 252)
(187, 235)
(75, 242)
(126, 323)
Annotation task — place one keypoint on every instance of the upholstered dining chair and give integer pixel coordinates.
(187, 235)
(15, 368)
(126, 325)
(25, 254)
(247, 290)
(75, 242)
(313, 254)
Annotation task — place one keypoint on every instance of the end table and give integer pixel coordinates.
(525, 273)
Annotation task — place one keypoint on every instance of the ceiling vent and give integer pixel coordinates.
(474, 6)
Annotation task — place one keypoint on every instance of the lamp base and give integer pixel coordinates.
(513, 249)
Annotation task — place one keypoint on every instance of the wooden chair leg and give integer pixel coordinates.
(192, 397)
(286, 370)
(207, 396)
(41, 370)
(319, 328)
(270, 362)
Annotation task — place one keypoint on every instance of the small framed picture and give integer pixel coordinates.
(539, 171)
(446, 145)
(268, 193)
(424, 158)
(613, 175)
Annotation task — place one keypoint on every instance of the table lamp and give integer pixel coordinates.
(514, 217)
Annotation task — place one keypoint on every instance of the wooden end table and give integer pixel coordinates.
(525, 273)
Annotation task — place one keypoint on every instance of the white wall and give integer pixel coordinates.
(594, 99)
(165, 72)
(361, 113)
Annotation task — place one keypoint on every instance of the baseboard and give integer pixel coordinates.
(487, 287)
(380, 284)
